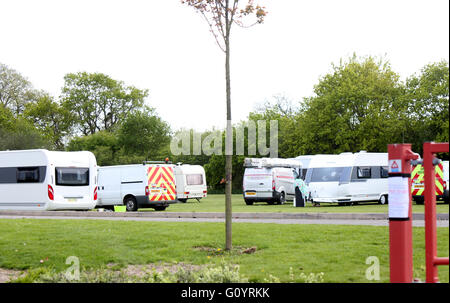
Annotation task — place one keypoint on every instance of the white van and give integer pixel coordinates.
(147, 185)
(190, 181)
(47, 180)
(348, 178)
(270, 180)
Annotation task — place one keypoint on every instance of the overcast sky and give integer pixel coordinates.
(166, 47)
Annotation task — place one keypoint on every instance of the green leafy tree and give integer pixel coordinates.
(356, 107)
(283, 110)
(104, 145)
(15, 90)
(144, 134)
(98, 101)
(19, 133)
(427, 99)
(51, 118)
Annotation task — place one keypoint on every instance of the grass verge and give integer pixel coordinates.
(287, 252)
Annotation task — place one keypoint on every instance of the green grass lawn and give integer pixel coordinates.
(338, 251)
(216, 203)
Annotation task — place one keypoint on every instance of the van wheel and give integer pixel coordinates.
(248, 202)
(160, 208)
(383, 200)
(282, 198)
(130, 204)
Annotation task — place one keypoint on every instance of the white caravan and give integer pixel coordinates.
(348, 178)
(47, 180)
(147, 185)
(190, 181)
(270, 180)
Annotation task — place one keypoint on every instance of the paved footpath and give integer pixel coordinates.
(374, 219)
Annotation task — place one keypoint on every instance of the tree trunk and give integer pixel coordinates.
(229, 138)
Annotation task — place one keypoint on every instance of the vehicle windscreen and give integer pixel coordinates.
(329, 174)
(194, 179)
(72, 176)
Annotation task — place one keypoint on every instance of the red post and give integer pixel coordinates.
(400, 213)
(432, 261)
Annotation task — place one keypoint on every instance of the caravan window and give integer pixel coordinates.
(8, 175)
(34, 174)
(328, 174)
(384, 172)
(27, 174)
(364, 172)
(72, 176)
(194, 179)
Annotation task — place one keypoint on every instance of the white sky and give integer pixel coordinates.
(166, 47)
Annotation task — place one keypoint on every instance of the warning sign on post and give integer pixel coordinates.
(398, 197)
(395, 166)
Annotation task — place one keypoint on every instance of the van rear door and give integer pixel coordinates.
(161, 183)
(257, 181)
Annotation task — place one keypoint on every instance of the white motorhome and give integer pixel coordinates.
(190, 181)
(47, 180)
(305, 160)
(348, 178)
(270, 180)
(147, 185)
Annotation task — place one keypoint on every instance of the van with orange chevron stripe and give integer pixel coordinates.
(147, 185)
(441, 179)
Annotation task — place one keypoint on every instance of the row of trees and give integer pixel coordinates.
(360, 105)
(94, 112)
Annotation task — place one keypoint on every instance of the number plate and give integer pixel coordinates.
(250, 194)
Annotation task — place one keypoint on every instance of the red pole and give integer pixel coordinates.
(431, 260)
(400, 213)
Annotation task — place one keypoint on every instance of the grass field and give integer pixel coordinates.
(338, 251)
(216, 203)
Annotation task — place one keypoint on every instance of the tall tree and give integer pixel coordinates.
(427, 99)
(283, 110)
(51, 118)
(144, 134)
(220, 16)
(98, 101)
(15, 90)
(356, 107)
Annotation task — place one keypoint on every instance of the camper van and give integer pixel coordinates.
(147, 185)
(190, 181)
(47, 180)
(348, 178)
(270, 180)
